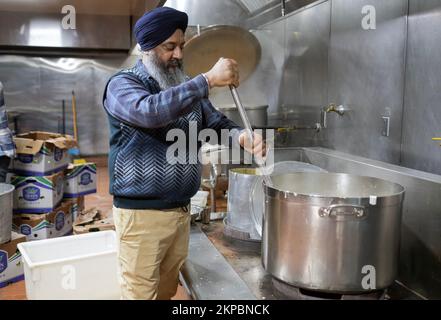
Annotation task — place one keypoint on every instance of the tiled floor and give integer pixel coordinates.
(101, 200)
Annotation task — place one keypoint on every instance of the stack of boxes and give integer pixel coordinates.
(48, 196)
(41, 174)
(39, 185)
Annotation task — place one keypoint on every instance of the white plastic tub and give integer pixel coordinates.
(80, 267)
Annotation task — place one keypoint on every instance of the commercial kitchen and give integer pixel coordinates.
(345, 93)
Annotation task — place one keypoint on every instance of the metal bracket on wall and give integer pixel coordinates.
(386, 126)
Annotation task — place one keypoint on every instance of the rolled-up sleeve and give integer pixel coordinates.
(128, 100)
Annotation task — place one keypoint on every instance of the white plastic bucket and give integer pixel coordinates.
(80, 267)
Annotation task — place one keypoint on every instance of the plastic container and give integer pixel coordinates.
(199, 201)
(6, 200)
(80, 267)
(198, 205)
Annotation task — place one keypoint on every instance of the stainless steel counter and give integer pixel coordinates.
(244, 257)
(207, 275)
(220, 268)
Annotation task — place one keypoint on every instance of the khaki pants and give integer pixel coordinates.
(153, 245)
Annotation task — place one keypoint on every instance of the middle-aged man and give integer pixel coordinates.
(150, 195)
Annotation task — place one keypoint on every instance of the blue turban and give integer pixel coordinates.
(157, 25)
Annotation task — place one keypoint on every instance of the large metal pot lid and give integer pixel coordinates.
(204, 50)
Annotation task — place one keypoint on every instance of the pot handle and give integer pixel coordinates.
(351, 211)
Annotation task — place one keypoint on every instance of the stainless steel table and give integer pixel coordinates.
(220, 268)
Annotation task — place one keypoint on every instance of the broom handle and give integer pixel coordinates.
(74, 111)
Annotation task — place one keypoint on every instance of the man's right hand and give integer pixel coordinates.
(224, 73)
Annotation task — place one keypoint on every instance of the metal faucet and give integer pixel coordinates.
(334, 108)
(340, 110)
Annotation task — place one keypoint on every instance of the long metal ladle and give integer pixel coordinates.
(248, 128)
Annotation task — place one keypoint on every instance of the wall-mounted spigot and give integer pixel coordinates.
(340, 110)
(334, 108)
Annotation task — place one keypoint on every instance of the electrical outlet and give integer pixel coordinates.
(386, 126)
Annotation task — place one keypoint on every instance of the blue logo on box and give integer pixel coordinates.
(3, 260)
(25, 229)
(25, 158)
(58, 154)
(31, 193)
(85, 179)
(59, 221)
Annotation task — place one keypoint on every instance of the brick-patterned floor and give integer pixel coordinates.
(101, 200)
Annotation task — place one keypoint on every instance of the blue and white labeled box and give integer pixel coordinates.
(11, 267)
(37, 194)
(57, 223)
(77, 206)
(42, 153)
(79, 180)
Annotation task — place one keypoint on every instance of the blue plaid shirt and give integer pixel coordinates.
(129, 101)
(7, 147)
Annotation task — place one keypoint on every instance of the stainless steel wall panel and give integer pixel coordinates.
(21, 79)
(366, 74)
(306, 69)
(304, 88)
(274, 11)
(206, 13)
(272, 39)
(422, 108)
(35, 88)
(45, 30)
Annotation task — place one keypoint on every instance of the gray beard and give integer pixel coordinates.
(166, 77)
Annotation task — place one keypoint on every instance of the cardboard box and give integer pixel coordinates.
(99, 225)
(37, 194)
(78, 206)
(79, 180)
(11, 267)
(55, 224)
(93, 220)
(42, 153)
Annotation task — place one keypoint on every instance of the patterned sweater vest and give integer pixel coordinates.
(138, 164)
